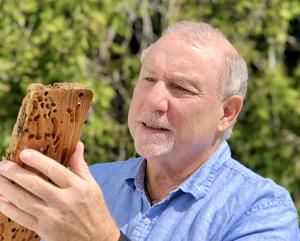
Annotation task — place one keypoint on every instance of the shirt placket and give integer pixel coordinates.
(143, 227)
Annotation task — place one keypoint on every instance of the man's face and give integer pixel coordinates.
(175, 109)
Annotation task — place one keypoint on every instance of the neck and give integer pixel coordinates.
(162, 177)
(157, 189)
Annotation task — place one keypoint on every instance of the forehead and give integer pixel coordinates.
(175, 55)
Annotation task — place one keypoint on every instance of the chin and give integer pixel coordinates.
(151, 151)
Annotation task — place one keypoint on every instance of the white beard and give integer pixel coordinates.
(149, 145)
(153, 145)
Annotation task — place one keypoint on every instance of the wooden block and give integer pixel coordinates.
(50, 121)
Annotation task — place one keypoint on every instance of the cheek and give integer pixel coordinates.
(134, 109)
(188, 123)
(195, 118)
(131, 116)
(181, 117)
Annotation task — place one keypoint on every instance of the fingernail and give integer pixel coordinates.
(25, 155)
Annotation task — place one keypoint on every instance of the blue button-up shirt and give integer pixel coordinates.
(221, 201)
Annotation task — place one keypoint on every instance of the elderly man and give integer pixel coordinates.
(185, 185)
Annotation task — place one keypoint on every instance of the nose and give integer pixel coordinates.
(157, 97)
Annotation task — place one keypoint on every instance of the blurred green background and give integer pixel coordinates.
(98, 43)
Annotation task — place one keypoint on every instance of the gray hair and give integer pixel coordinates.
(235, 75)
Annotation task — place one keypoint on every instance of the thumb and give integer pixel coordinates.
(78, 164)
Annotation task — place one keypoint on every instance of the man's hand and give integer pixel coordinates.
(73, 208)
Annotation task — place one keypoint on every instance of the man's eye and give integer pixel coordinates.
(178, 87)
(149, 79)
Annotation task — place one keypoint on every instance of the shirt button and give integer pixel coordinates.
(147, 221)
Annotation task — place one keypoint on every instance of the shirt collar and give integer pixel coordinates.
(197, 184)
(135, 178)
(200, 181)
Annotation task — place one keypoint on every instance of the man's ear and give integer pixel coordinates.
(232, 107)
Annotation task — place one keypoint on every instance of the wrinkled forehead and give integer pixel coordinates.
(176, 52)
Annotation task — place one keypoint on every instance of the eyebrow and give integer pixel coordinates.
(173, 76)
(148, 70)
(178, 77)
(181, 78)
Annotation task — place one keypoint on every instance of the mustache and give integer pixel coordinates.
(156, 120)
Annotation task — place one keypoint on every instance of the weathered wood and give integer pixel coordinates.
(50, 121)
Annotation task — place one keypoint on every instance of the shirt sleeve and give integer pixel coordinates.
(268, 221)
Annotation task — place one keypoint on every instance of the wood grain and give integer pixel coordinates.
(50, 120)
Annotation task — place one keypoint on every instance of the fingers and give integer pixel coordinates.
(78, 164)
(26, 179)
(20, 197)
(19, 216)
(60, 175)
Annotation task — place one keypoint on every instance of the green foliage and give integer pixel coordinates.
(98, 43)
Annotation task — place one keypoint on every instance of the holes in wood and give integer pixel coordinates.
(57, 139)
(44, 150)
(55, 124)
(38, 136)
(56, 143)
(36, 117)
(35, 105)
(72, 116)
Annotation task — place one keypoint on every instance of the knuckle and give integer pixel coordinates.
(50, 171)
(62, 201)
(33, 224)
(21, 202)
(65, 203)
(12, 171)
(85, 190)
(36, 208)
(24, 203)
